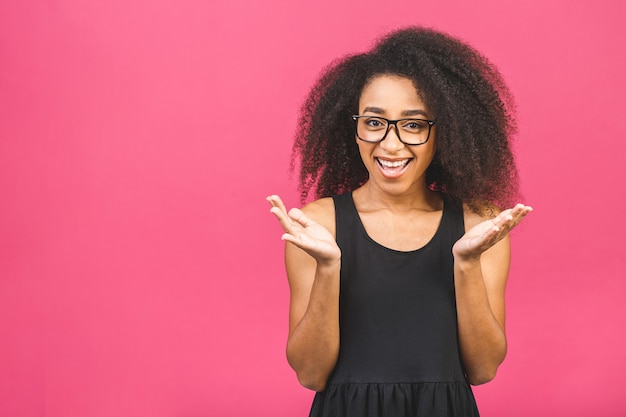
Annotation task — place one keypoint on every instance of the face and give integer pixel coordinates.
(394, 167)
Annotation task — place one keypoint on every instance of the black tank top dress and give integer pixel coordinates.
(399, 351)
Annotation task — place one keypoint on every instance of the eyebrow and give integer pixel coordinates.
(378, 110)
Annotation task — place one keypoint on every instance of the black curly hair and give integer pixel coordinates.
(473, 109)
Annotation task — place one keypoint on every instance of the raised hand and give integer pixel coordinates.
(486, 234)
(311, 237)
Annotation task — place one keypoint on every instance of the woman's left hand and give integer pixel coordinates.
(486, 234)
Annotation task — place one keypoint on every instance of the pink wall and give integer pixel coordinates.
(140, 271)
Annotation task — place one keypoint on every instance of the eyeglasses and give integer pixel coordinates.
(374, 129)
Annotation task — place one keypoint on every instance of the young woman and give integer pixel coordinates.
(398, 271)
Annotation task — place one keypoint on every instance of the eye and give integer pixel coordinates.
(413, 125)
(374, 123)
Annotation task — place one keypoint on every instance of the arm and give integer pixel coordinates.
(481, 266)
(313, 261)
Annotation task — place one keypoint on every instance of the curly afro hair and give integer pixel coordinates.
(473, 109)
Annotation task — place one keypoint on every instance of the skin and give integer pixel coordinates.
(400, 212)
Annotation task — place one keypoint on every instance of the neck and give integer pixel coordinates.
(417, 198)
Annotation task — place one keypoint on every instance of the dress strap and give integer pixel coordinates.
(346, 217)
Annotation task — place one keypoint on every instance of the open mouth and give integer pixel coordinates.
(393, 168)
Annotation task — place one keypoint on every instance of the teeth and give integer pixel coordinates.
(394, 164)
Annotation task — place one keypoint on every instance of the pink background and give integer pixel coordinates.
(140, 271)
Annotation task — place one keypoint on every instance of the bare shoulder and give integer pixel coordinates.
(322, 211)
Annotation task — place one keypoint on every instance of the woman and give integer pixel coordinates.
(398, 272)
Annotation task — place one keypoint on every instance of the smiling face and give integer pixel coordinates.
(394, 167)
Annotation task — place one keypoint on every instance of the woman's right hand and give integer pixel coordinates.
(311, 237)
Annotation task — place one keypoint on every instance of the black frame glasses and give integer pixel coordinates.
(390, 123)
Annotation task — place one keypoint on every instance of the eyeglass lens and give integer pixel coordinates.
(410, 131)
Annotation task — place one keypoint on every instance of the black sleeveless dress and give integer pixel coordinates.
(399, 352)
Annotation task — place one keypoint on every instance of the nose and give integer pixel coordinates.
(392, 142)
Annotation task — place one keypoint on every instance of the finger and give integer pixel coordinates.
(297, 215)
(276, 201)
(293, 222)
(511, 217)
(504, 227)
(301, 240)
(278, 208)
(284, 220)
(276, 211)
(491, 236)
(519, 212)
(502, 220)
(522, 209)
(518, 209)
